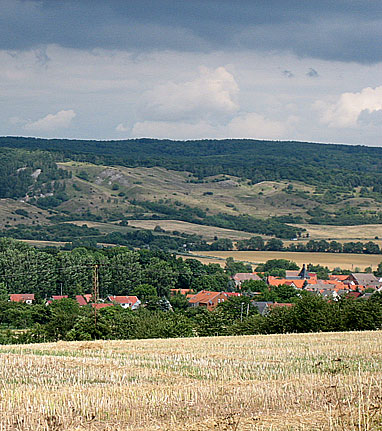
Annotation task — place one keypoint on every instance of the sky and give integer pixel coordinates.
(264, 69)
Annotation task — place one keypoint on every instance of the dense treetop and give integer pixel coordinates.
(312, 163)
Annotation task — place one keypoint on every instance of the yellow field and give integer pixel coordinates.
(344, 233)
(281, 382)
(331, 260)
(207, 232)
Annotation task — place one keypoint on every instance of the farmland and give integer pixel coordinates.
(328, 381)
(331, 260)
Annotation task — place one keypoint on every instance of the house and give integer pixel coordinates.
(59, 297)
(297, 283)
(338, 277)
(302, 274)
(55, 298)
(262, 306)
(83, 300)
(363, 279)
(265, 307)
(329, 294)
(240, 277)
(131, 302)
(26, 298)
(207, 299)
(353, 295)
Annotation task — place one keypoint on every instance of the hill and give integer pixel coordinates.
(326, 381)
(238, 187)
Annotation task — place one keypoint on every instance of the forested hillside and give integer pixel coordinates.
(23, 172)
(313, 163)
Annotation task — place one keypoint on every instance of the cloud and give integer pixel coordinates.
(174, 130)
(347, 110)
(288, 73)
(324, 29)
(42, 57)
(246, 125)
(253, 125)
(122, 128)
(213, 94)
(312, 73)
(52, 121)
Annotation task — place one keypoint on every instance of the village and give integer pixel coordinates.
(357, 286)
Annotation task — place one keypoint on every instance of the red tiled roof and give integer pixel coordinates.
(81, 300)
(101, 305)
(297, 283)
(58, 297)
(338, 277)
(88, 297)
(204, 297)
(124, 299)
(21, 297)
(243, 276)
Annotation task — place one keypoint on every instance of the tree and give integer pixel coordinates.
(222, 244)
(278, 264)
(254, 286)
(64, 314)
(143, 291)
(232, 267)
(274, 245)
(4, 295)
(371, 248)
(161, 275)
(179, 302)
(236, 308)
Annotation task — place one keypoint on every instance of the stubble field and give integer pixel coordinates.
(331, 260)
(321, 381)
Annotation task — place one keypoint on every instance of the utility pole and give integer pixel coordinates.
(95, 282)
(95, 290)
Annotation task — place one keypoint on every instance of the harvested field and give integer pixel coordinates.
(306, 382)
(343, 233)
(207, 232)
(331, 260)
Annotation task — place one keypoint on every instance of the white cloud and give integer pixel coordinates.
(347, 110)
(173, 130)
(52, 121)
(248, 125)
(122, 128)
(253, 125)
(213, 93)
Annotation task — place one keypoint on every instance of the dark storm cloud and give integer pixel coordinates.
(348, 30)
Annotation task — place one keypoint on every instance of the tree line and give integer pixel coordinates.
(65, 320)
(320, 246)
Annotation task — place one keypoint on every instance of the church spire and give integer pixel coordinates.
(304, 273)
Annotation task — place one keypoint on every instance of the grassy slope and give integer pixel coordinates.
(281, 382)
(9, 217)
(262, 200)
(233, 196)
